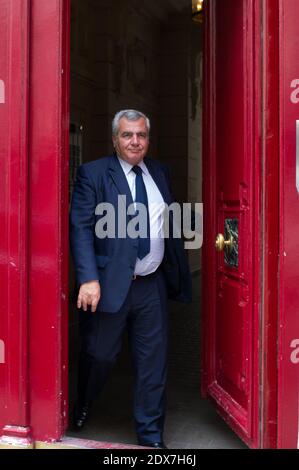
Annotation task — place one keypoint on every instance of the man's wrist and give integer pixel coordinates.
(92, 280)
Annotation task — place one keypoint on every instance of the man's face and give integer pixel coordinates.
(132, 141)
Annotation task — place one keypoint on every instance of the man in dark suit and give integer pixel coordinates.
(124, 280)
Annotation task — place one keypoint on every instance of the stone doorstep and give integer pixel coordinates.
(65, 443)
(76, 443)
(18, 437)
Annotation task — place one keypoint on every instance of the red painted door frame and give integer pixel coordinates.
(288, 338)
(270, 226)
(14, 76)
(48, 226)
(34, 114)
(262, 58)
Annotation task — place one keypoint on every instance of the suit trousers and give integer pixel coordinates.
(145, 314)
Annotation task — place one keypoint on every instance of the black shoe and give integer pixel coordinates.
(156, 445)
(81, 413)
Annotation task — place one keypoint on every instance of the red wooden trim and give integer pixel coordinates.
(288, 376)
(254, 57)
(270, 223)
(65, 123)
(209, 198)
(14, 69)
(48, 217)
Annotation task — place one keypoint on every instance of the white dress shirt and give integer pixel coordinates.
(156, 205)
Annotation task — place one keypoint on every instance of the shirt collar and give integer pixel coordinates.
(127, 167)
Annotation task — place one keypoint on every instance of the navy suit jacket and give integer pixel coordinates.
(112, 260)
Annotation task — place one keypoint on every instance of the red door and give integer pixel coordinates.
(14, 68)
(231, 206)
(34, 217)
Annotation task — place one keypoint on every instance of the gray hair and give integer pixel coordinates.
(130, 115)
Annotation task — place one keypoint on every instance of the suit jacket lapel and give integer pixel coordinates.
(120, 180)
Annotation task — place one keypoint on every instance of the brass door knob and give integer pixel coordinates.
(221, 243)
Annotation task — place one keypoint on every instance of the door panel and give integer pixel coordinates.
(233, 203)
(231, 195)
(14, 68)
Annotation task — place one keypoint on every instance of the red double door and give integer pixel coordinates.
(250, 260)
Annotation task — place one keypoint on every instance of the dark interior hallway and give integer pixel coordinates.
(191, 422)
(148, 56)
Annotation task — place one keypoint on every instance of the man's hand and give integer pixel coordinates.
(89, 294)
